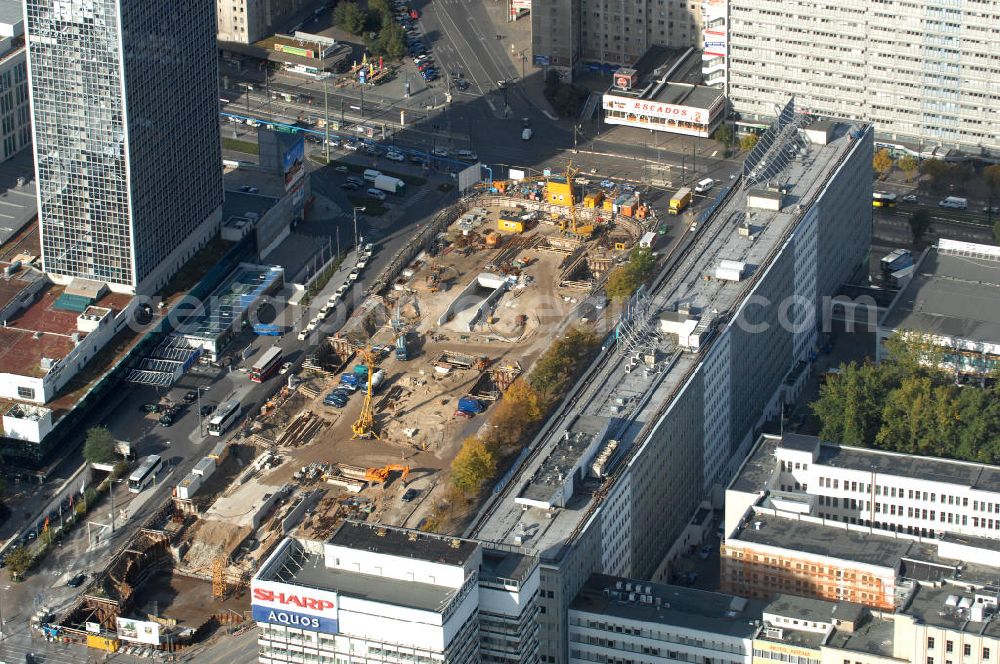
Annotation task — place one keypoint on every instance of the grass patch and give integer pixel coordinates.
(236, 145)
(195, 269)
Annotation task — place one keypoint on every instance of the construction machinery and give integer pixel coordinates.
(364, 426)
(379, 475)
(574, 227)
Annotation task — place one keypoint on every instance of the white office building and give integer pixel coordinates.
(924, 72)
(15, 112)
(614, 619)
(378, 594)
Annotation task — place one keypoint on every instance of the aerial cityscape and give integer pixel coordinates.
(500, 331)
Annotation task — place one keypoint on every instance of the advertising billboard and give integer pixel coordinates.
(293, 163)
(307, 608)
(295, 50)
(139, 631)
(655, 109)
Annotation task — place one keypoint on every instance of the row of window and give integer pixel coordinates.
(949, 646)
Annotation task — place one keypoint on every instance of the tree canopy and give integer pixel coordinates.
(748, 142)
(100, 446)
(473, 465)
(348, 17)
(625, 279)
(906, 404)
(882, 162)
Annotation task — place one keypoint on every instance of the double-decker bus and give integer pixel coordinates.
(883, 199)
(145, 473)
(266, 366)
(225, 415)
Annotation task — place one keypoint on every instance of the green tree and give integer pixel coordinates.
(748, 142)
(621, 283)
(473, 465)
(850, 404)
(920, 222)
(882, 162)
(936, 172)
(100, 446)
(392, 41)
(348, 17)
(991, 175)
(18, 560)
(382, 11)
(724, 136)
(562, 360)
(908, 165)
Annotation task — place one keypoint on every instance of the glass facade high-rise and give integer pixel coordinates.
(124, 97)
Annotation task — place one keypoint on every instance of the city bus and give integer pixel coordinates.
(266, 366)
(145, 473)
(882, 199)
(227, 413)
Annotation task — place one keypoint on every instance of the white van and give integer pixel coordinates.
(704, 186)
(526, 134)
(467, 155)
(370, 174)
(955, 203)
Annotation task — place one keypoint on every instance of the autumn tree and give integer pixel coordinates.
(516, 416)
(882, 162)
(473, 465)
(908, 165)
(748, 142)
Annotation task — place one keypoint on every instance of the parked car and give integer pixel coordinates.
(408, 495)
(350, 186)
(351, 145)
(151, 407)
(353, 275)
(166, 420)
(284, 368)
(377, 194)
(356, 179)
(343, 170)
(462, 84)
(395, 156)
(190, 396)
(207, 410)
(440, 152)
(910, 198)
(342, 289)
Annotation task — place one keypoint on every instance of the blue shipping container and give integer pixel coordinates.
(470, 405)
(263, 330)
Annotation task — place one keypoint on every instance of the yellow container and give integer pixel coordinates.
(510, 225)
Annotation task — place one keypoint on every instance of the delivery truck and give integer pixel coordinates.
(680, 200)
(389, 184)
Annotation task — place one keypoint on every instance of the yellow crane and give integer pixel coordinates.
(575, 228)
(364, 427)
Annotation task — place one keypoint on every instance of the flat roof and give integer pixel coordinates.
(817, 539)
(815, 610)
(301, 567)
(241, 203)
(504, 564)
(931, 606)
(953, 293)
(404, 543)
(18, 202)
(678, 606)
(635, 400)
(11, 13)
(42, 331)
(876, 637)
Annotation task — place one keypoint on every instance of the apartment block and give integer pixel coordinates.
(249, 21)
(393, 595)
(941, 304)
(923, 73)
(662, 420)
(571, 33)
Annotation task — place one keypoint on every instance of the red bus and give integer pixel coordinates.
(266, 366)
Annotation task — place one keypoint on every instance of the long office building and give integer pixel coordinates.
(923, 72)
(570, 34)
(670, 408)
(124, 100)
(378, 594)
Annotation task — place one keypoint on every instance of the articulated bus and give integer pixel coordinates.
(266, 366)
(145, 473)
(882, 199)
(227, 413)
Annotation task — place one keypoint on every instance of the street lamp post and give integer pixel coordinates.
(356, 226)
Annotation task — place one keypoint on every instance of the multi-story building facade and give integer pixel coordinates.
(921, 72)
(391, 595)
(614, 619)
(124, 98)
(249, 21)
(15, 111)
(567, 33)
(885, 490)
(660, 421)
(941, 305)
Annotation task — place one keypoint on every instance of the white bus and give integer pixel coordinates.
(225, 415)
(145, 473)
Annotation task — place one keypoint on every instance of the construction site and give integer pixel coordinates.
(369, 425)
